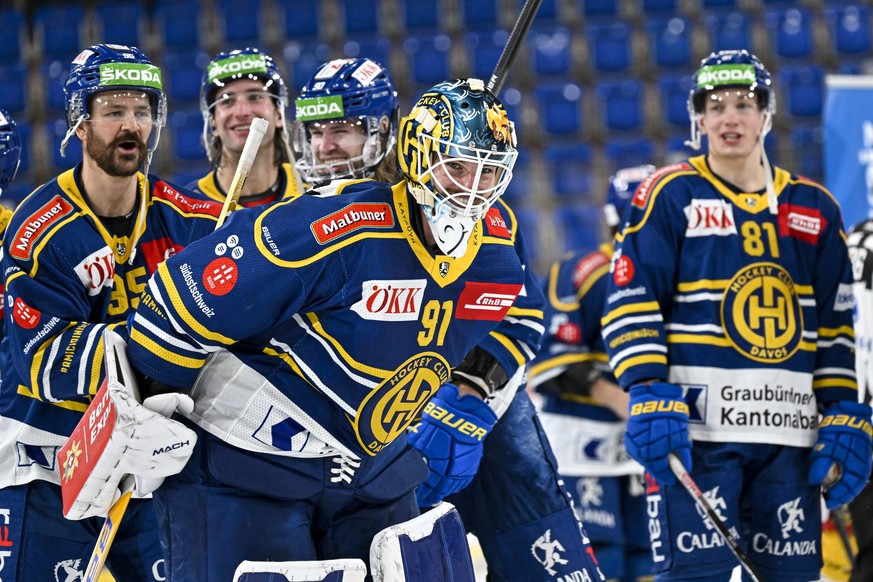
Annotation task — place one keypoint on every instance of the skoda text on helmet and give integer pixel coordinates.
(456, 121)
(10, 149)
(621, 189)
(352, 90)
(227, 67)
(112, 67)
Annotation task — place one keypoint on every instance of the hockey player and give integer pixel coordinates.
(237, 87)
(303, 394)
(76, 257)
(861, 251)
(583, 408)
(516, 494)
(10, 157)
(729, 320)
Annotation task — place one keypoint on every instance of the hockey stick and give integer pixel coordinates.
(733, 544)
(108, 531)
(842, 519)
(519, 29)
(256, 134)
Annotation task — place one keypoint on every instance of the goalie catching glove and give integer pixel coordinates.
(118, 436)
(844, 440)
(657, 425)
(450, 436)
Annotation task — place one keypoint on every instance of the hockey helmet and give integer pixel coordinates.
(10, 149)
(622, 186)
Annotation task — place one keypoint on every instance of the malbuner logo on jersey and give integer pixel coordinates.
(715, 75)
(313, 108)
(240, 65)
(130, 74)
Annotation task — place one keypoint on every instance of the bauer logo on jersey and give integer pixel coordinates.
(36, 225)
(391, 300)
(495, 225)
(220, 276)
(394, 404)
(487, 301)
(800, 222)
(761, 313)
(350, 219)
(97, 270)
(25, 315)
(710, 217)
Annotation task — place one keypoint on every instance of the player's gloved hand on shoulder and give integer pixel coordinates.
(657, 424)
(844, 440)
(450, 436)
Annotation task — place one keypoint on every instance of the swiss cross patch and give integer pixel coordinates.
(25, 315)
(350, 219)
(586, 266)
(623, 271)
(495, 225)
(184, 203)
(220, 276)
(487, 301)
(801, 222)
(36, 225)
(157, 251)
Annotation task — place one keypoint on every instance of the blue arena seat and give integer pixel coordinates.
(13, 88)
(300, 19)
(418, 15)
(428, 58)
(121, 22)
(13, 26)
(59, 42)
(178, 24)
(790, 32)
(529, 221)
(519, 187)
(597, 9)
(673, 90)
(803, 89)
(807, 144)
(241, 23)
(622, 152)
(569, 166)
(729, 31)
(360, 17)
(659, 7)
(302, 59)
(849, 29)
(480, 13)
(560, 108)
(25, 132)
(55, 132)
(580, 226)
(610, 46)
(670, 41)
(183, 73)
(551, 52)
(374, 47)
(484, 49)
(621, 104)
(185, 129)
(676, 149)
(511, 99)
(54, 75)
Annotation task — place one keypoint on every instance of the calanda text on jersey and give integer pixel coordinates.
(749, 311)
(337, 321)
(67, 279)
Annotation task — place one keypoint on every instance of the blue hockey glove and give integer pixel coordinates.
(844, 440)
(658, 424)
(450, 436)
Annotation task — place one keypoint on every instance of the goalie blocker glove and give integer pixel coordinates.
(657, 425)
(450, 436)
(844, 439)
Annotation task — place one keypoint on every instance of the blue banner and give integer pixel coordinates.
(848, 144)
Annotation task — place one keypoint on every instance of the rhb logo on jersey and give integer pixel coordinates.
(801, 222)
(391, 300)
(97, 270)
(495, 224)
(486, 301)
(710, 217)
(350, 219)
(36, 225)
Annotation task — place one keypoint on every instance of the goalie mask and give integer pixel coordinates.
(10, 149)
(622, 186)
(357, 93)
(227, 67)
(113, 67)
(456, 149)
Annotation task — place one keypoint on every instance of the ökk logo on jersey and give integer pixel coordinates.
(486, 301)
(710, 217)
(398, 400)
(391, 300)
(220, 276)
(97, 270)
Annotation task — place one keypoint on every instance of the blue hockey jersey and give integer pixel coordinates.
(67, 279)
(322, 325)
(751, 312)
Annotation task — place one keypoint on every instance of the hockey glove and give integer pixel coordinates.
(450, 436)
(657, 424)
(844, 440)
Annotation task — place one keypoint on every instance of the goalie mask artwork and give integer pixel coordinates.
(456, 148)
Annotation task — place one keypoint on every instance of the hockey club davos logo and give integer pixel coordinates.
(36, 226)
(761, 313)
(486, 301)
(350, 219)
(392, 406)
(391, 300)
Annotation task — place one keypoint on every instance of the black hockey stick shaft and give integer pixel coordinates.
(685, 479)
(519, 30)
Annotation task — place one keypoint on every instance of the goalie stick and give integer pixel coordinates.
(108, 531)
(694, 491)
(257, 129)
(519, 30)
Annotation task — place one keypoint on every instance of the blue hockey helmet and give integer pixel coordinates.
(110, 67)
(358, 90)
(10, 149)
(622, 186)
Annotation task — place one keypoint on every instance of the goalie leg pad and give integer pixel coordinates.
(352, 570)
(429, 548)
